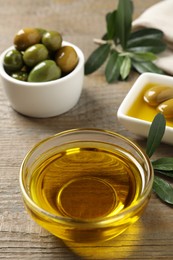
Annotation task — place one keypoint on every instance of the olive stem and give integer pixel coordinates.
(99, 41)
(111, 42)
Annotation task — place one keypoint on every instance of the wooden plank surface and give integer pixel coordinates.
(20, 238)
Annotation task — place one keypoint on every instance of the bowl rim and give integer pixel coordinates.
(7, 77)
(97, 221)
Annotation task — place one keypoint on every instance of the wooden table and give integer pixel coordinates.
(20, 238)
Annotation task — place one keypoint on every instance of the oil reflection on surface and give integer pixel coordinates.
(121, 247)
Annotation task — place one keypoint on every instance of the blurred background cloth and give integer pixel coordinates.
(160, 16)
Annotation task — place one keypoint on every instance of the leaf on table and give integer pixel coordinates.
(163, 164)
(163, 189)
(145, 33)
(125, 67)
(97, 58)
(146, 40)
(111, 25)
(146, 66)
(112, 70)
(140, 47)
(143, 56)
(165, 173)
(155, 134)
(147, 45)
(124, 20)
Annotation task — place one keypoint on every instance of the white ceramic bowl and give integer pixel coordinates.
(137, 125)
(45, 99)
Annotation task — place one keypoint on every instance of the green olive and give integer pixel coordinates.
(35, 54)
(26, 37)
(66, 58)
(13, 60)
(44, 71)
(41, 31)
(166, 108)
(52, 40)
(157, 94)
(20, 75)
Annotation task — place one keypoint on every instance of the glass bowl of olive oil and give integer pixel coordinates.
(86, 185)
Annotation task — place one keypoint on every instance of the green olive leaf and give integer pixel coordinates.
(163, 189)
(146, 66)
(139, 46)
(155, 134)
(111, 25)
(124, 20)
(163, 164)
(112, 70)
(125, 67)
(164, 173)
(144, 33)
(147, 45)
(146, 40)
(144, 56)
(97, 58)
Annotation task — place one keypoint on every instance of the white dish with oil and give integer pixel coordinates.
(135, 114)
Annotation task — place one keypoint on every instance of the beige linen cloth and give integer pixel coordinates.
(160, 16)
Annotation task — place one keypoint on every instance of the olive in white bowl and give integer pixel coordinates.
(44, 99)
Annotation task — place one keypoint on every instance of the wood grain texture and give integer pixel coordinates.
(20, 238)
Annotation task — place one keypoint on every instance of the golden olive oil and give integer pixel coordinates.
(86, 181)
(142, 110)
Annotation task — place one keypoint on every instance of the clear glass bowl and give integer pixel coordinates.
(86, 185)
